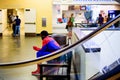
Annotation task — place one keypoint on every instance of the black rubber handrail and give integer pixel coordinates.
(118, 1)
(109, 74)
(64, 50)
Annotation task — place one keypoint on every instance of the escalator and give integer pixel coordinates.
(111, 71)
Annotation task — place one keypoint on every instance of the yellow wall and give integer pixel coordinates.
(43, 8)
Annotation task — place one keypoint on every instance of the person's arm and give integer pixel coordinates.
(36, 48)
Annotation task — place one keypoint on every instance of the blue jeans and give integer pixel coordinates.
(17, 29)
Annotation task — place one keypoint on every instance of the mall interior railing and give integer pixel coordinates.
(95, 51)
(107, 59)
(81, 59)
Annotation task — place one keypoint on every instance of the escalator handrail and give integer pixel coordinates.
(63, 50)
(109, 74)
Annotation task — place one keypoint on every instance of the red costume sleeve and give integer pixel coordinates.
(36, 48)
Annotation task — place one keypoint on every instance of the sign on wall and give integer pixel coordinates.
(43, 22)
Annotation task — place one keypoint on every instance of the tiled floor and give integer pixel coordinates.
(14, 49)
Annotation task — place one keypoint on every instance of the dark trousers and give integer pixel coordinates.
(13, 28)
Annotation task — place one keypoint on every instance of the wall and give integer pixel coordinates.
(43, 7)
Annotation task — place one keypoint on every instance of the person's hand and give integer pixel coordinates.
(36, 48)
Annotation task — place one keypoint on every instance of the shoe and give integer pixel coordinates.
(36, 72)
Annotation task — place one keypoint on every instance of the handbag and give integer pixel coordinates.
(69, 23)
(66, 27)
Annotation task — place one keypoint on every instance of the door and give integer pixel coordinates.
(30, 21)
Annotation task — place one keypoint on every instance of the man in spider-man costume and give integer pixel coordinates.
(48, 45)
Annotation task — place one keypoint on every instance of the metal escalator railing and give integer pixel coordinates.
(118, 1)
(61, 51)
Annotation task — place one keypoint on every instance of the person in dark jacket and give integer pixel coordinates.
(17, 22)
(100, 19)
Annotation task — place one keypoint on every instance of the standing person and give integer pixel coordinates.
(100, 19)
(17, 22)
(13, 24)
(70, 25)
(105, 19)
(69, 28)
(64, 18)
(49, 45)
(10, 19)
(72, 19)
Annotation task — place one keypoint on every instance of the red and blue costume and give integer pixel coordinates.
(48, 45)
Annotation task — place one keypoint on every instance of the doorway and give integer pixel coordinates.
(28, 21)
(9, 17)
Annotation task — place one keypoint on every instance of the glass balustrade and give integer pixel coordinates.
(98, 55)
